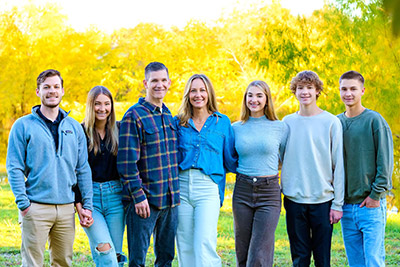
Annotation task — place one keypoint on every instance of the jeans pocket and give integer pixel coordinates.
(374, 214)
(116, 187)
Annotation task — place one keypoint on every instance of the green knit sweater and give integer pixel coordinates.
(368, 156)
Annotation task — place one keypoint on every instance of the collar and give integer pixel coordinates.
(60, 115)
(153, 108)
(216, 114)
(36, 108)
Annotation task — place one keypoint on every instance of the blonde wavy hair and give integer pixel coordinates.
(269, 110)
(185, 111)
(90, 120)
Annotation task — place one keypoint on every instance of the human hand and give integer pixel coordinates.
(78, 207)
(85, 216)
(335, 216)
(143, 209)
(25, 211)
(370, 203)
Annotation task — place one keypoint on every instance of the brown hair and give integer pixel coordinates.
(46, 74)
(307, 77)
(350, 75)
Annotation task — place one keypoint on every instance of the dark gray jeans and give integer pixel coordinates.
(256, 207)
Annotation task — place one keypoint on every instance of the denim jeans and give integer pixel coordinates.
(196, 238)
(109, 223)
(309, 230)
(162, 224)
(363, 232)
(256, 205)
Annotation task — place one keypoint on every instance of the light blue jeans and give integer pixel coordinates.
(198, 214)
(109, 223)
(363, 232)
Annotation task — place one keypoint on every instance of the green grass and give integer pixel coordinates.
(10, 238)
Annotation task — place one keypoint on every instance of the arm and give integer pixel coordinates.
(127, 159)
(282, 146)
(176, 121)
(83, 172)
(337, 165)
(229, 152)
(384, 162)
(15, 164)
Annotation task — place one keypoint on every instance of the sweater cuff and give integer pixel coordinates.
(376, 196)
(22, 209)
(336, 207)
(23, 205)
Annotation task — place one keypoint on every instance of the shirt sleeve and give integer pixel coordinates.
(337, 165)
(83, 172)
(128, 157)
(15, 164)
(230, 154)
(384, 162)
(282, 145)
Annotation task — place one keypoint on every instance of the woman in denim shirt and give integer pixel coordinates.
(106, 231)
(206, 152)
(256, 201)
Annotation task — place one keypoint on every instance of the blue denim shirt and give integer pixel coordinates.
(212, 150)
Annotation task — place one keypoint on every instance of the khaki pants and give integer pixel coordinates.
(53, 222)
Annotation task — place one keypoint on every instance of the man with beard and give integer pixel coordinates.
(46, 157)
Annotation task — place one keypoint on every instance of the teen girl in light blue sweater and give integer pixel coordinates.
(259, 136)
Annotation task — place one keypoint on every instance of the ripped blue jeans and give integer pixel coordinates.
(109, 224)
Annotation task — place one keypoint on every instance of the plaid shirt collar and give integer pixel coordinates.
(153, 108)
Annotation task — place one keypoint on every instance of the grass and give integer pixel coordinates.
(10, 238)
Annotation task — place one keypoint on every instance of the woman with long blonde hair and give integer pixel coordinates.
(106, 232)
(256, 201)
(206, 151)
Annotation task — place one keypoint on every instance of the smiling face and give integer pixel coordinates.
(198, 95)
(157, 86)
(306, 93)
(50, 92)
(256, 101)
(102, 107)
(351, 91)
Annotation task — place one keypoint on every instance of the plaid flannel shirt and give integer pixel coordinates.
(148, 157)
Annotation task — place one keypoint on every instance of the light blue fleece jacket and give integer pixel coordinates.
(37, 172)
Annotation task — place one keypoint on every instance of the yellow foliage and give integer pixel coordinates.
(266, 43)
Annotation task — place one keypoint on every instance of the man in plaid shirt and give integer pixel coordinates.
(148, 164)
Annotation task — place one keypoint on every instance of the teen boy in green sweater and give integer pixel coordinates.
(368, 163)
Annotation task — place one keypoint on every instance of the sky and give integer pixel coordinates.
(108, 15)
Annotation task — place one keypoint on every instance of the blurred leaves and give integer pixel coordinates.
(393, 8)
(266, 43)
